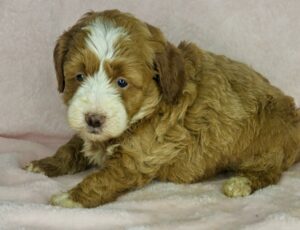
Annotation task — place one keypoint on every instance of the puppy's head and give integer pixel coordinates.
(114, 70)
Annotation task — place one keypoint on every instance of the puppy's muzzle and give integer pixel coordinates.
(94, 122)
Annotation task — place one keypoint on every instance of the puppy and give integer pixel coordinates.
(144, 109)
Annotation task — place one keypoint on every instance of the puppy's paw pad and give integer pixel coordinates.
(64, 200)
(33, 168)
(237, 187)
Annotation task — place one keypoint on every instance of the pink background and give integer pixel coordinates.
(262, 33)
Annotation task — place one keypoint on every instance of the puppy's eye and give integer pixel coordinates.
(121, 82)
(80, 77)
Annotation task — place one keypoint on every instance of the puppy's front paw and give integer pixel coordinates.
(49, 166)
(34, 168)
(237, 187)
(64, 200)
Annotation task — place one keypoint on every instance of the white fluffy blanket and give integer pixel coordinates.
(263, 33)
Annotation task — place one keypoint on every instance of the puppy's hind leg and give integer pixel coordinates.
(246, 183)
(256, 170)
(67, 160)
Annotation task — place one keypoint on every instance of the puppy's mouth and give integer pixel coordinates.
(95, 131)
(95, 134)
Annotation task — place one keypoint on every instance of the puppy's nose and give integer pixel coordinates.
(94, 120)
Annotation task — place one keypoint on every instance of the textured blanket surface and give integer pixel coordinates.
(262, 33)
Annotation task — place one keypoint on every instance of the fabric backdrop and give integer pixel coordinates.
(265, 34)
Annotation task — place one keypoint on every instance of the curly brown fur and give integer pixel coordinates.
(191, 114)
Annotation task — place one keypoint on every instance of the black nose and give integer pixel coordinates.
(94, 120)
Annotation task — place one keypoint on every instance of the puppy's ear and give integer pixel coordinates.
(169, 66)
(59, 54)
(62, 47)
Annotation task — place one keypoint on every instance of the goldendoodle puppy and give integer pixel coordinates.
(144, 109)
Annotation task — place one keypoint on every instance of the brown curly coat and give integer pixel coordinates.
(205, 114)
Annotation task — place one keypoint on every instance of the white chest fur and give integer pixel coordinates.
(98, 152)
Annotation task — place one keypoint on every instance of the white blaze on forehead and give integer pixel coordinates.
(102, 38)
(97, 94)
